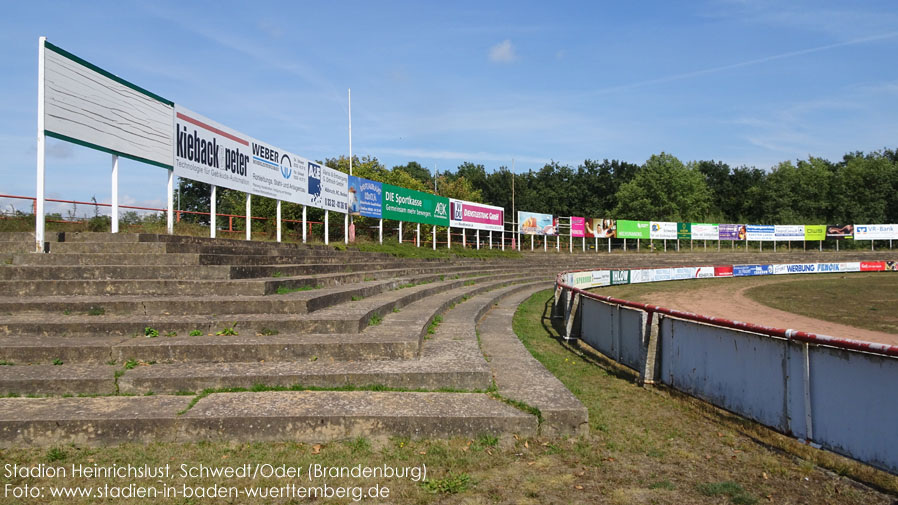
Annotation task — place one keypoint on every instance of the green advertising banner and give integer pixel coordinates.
(400, 204)
(684, 231)
(633, 229)
(620, 276)
(815, 232)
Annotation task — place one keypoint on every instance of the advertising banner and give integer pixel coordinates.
(787, 232)
(748, 270)
(663, 274)
(400, 204)
(684, 231)
(620, 277)
(531, 223)
(475, 216)
(705, 231)
(601, 228)
(732, 231)
(601, 277)
(210, 152)
(795, 268)
(641, 275)
(760, 232)
(704, 272)
(852, 266)
(662, 230)
(365, 197)
(633, 229)
(840, 230)
(578, 227)
(682, 273)
(815, 232)
(85, 104)
(873, 266)
(333, 188)
(723, 271)
(875, 231)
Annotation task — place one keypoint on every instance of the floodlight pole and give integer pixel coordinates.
(347, 218)
(41, 145)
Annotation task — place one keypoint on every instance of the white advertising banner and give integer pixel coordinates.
(788, 232)
(876, 231)
(642, 275)
(87, 105)
(704, 272)
(701, 231)
(662, 230)
(334, 189)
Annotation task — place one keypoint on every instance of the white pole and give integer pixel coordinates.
(400, 232)
(279, 220)
(304, 225)
(570, 238)
(464, 239)
(418, 235)
(448, 237)
(212, 211)
(546, 245)
(477, 237)
(503, 238)
(434, 238)
(583, 241)
(491, 239)
(171, 202)
(326, 229)
(609, 245)
(114, 193)
(597, 243)
(380, 231)
(41, 143)
(531, 242)
(249, 222)
(345, 228)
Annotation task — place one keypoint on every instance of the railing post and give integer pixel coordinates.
(572, 319)
(649, 348)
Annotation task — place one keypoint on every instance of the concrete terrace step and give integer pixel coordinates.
(69, 379)
(304, 416)
(125, 272)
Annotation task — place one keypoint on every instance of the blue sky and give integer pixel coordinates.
(744, 82)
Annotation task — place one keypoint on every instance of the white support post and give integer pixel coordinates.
(519, 241)
(609, 245)
(434, 238)
(503, 240)
(557, 243)
(418, 235)
(597, 243)
(114, 193)
(304, 225)
(477, 238)
(546, 245)
(171, 202)
(583, 239)
(380, 231)
(464, 239)
(212, 211)
(326, 229)
(531, 242)
(39, 219)
(345, 228)
(491, 240)
(665, 245)
(625, 245)
(400, 232)
(279, 220)
(448, 237)
(249, 221)
(570, 242)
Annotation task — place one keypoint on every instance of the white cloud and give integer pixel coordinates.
(503, 52)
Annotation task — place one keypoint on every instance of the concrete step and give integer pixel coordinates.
(304, 416)
(71, 259)
(17, 236)
(108, 247)
(123, 272)
(63, 379)
(135, 287)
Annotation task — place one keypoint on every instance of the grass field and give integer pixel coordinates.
(862, 300)
(643, 446)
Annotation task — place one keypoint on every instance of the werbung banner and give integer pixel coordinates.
(476, 216)
(400, 204)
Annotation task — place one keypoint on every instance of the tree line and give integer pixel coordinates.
(859, 188)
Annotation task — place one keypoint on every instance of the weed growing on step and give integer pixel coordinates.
(356, 298)
(57, 361)
(432, 328)
(395, 310)
(375, 320)
(732, 490)
(150, 332)
(283, 290)
(228, 331)
(66, 312)
(277, 274)
(470, 283)
(96, 311)
(110, 362)
(195, 333)
(3, 362)
(451, 484)
(130, 364)
(171, 334)
(267, 332)
(56, 454)
(368, 278)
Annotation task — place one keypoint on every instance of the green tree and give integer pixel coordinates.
(863, 189)
(665, 189)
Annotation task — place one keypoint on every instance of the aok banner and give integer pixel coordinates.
(475, 216)
(705, 231)
(578, 227)
(633, 229)
(400, 204)
(601, 228)
(210, 152)
(815, 232)
(875, 231)
(87, 105)
(663, 230)
(365, 197)
(531, 223)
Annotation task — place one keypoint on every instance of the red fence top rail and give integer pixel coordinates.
(790, 334)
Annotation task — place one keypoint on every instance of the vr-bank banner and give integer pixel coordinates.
(663, 230)
(476, 216)
(400, 204)
(365, 197)
(531, 223)
(875, 231)
(210, 152)
(633, 229)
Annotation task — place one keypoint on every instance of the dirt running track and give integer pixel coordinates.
(730, 302)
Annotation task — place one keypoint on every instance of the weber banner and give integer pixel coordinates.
(365, 197)
(476, 216)
(578, 227)
(663, 230)
(633, 229)
(875, 231)
(209, 152)
(704, 231)
(400, 204)
(601, 228)
(531, 223)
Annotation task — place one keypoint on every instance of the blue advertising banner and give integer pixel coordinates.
(365, 197)
(746, 270)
